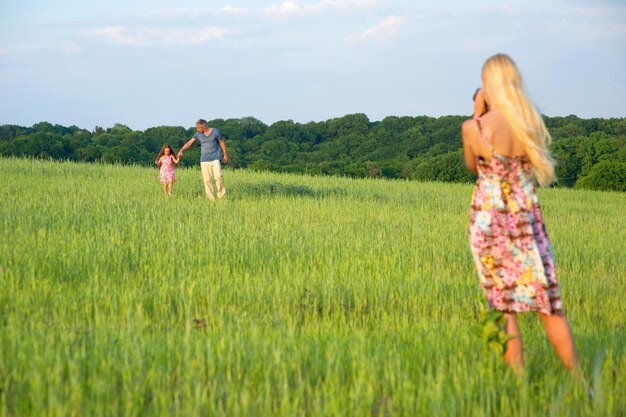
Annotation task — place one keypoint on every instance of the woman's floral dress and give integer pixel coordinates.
(508, 237)
(166, 173)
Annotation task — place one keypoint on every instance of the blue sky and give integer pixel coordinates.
(148, 63)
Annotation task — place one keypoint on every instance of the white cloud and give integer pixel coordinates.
(231, 9)
(147, 36)
(293, 7)
(117, 34)
(385, 30)
(285, 8)
(3, 52)
(337, 4)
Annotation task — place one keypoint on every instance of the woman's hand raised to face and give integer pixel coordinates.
(480, 107)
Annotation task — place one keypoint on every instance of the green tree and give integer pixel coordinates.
(448, 167)
(605, 176)
(372, 170)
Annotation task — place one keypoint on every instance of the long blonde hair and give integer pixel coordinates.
(505, 91)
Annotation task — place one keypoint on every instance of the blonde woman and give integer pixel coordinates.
(506, 146)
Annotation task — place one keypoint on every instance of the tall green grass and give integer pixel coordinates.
(292, 296)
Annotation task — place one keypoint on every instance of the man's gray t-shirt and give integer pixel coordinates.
(209, 145)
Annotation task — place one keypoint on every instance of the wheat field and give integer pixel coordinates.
(293, 296)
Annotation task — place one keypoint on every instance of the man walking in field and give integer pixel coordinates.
(212, 150)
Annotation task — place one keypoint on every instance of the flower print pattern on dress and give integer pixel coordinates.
(166, 172)
(483, 220)
(508, 238)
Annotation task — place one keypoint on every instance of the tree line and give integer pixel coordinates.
(591, 153)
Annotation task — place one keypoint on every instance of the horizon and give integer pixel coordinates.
(192, 126)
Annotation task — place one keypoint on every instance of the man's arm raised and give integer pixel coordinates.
(185, 147)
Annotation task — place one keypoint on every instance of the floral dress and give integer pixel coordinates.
(508, 237)
(166, 173)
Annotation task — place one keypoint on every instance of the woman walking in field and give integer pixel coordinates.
(506, 146)
(165, 161)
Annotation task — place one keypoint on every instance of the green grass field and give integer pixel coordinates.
(292, 296)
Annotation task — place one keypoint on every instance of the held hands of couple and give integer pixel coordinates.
(180, 155)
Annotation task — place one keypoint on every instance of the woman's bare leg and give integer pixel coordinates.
(514, 354)
(165, 188)
(560, 336)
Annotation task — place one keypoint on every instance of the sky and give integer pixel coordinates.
(146, 63)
